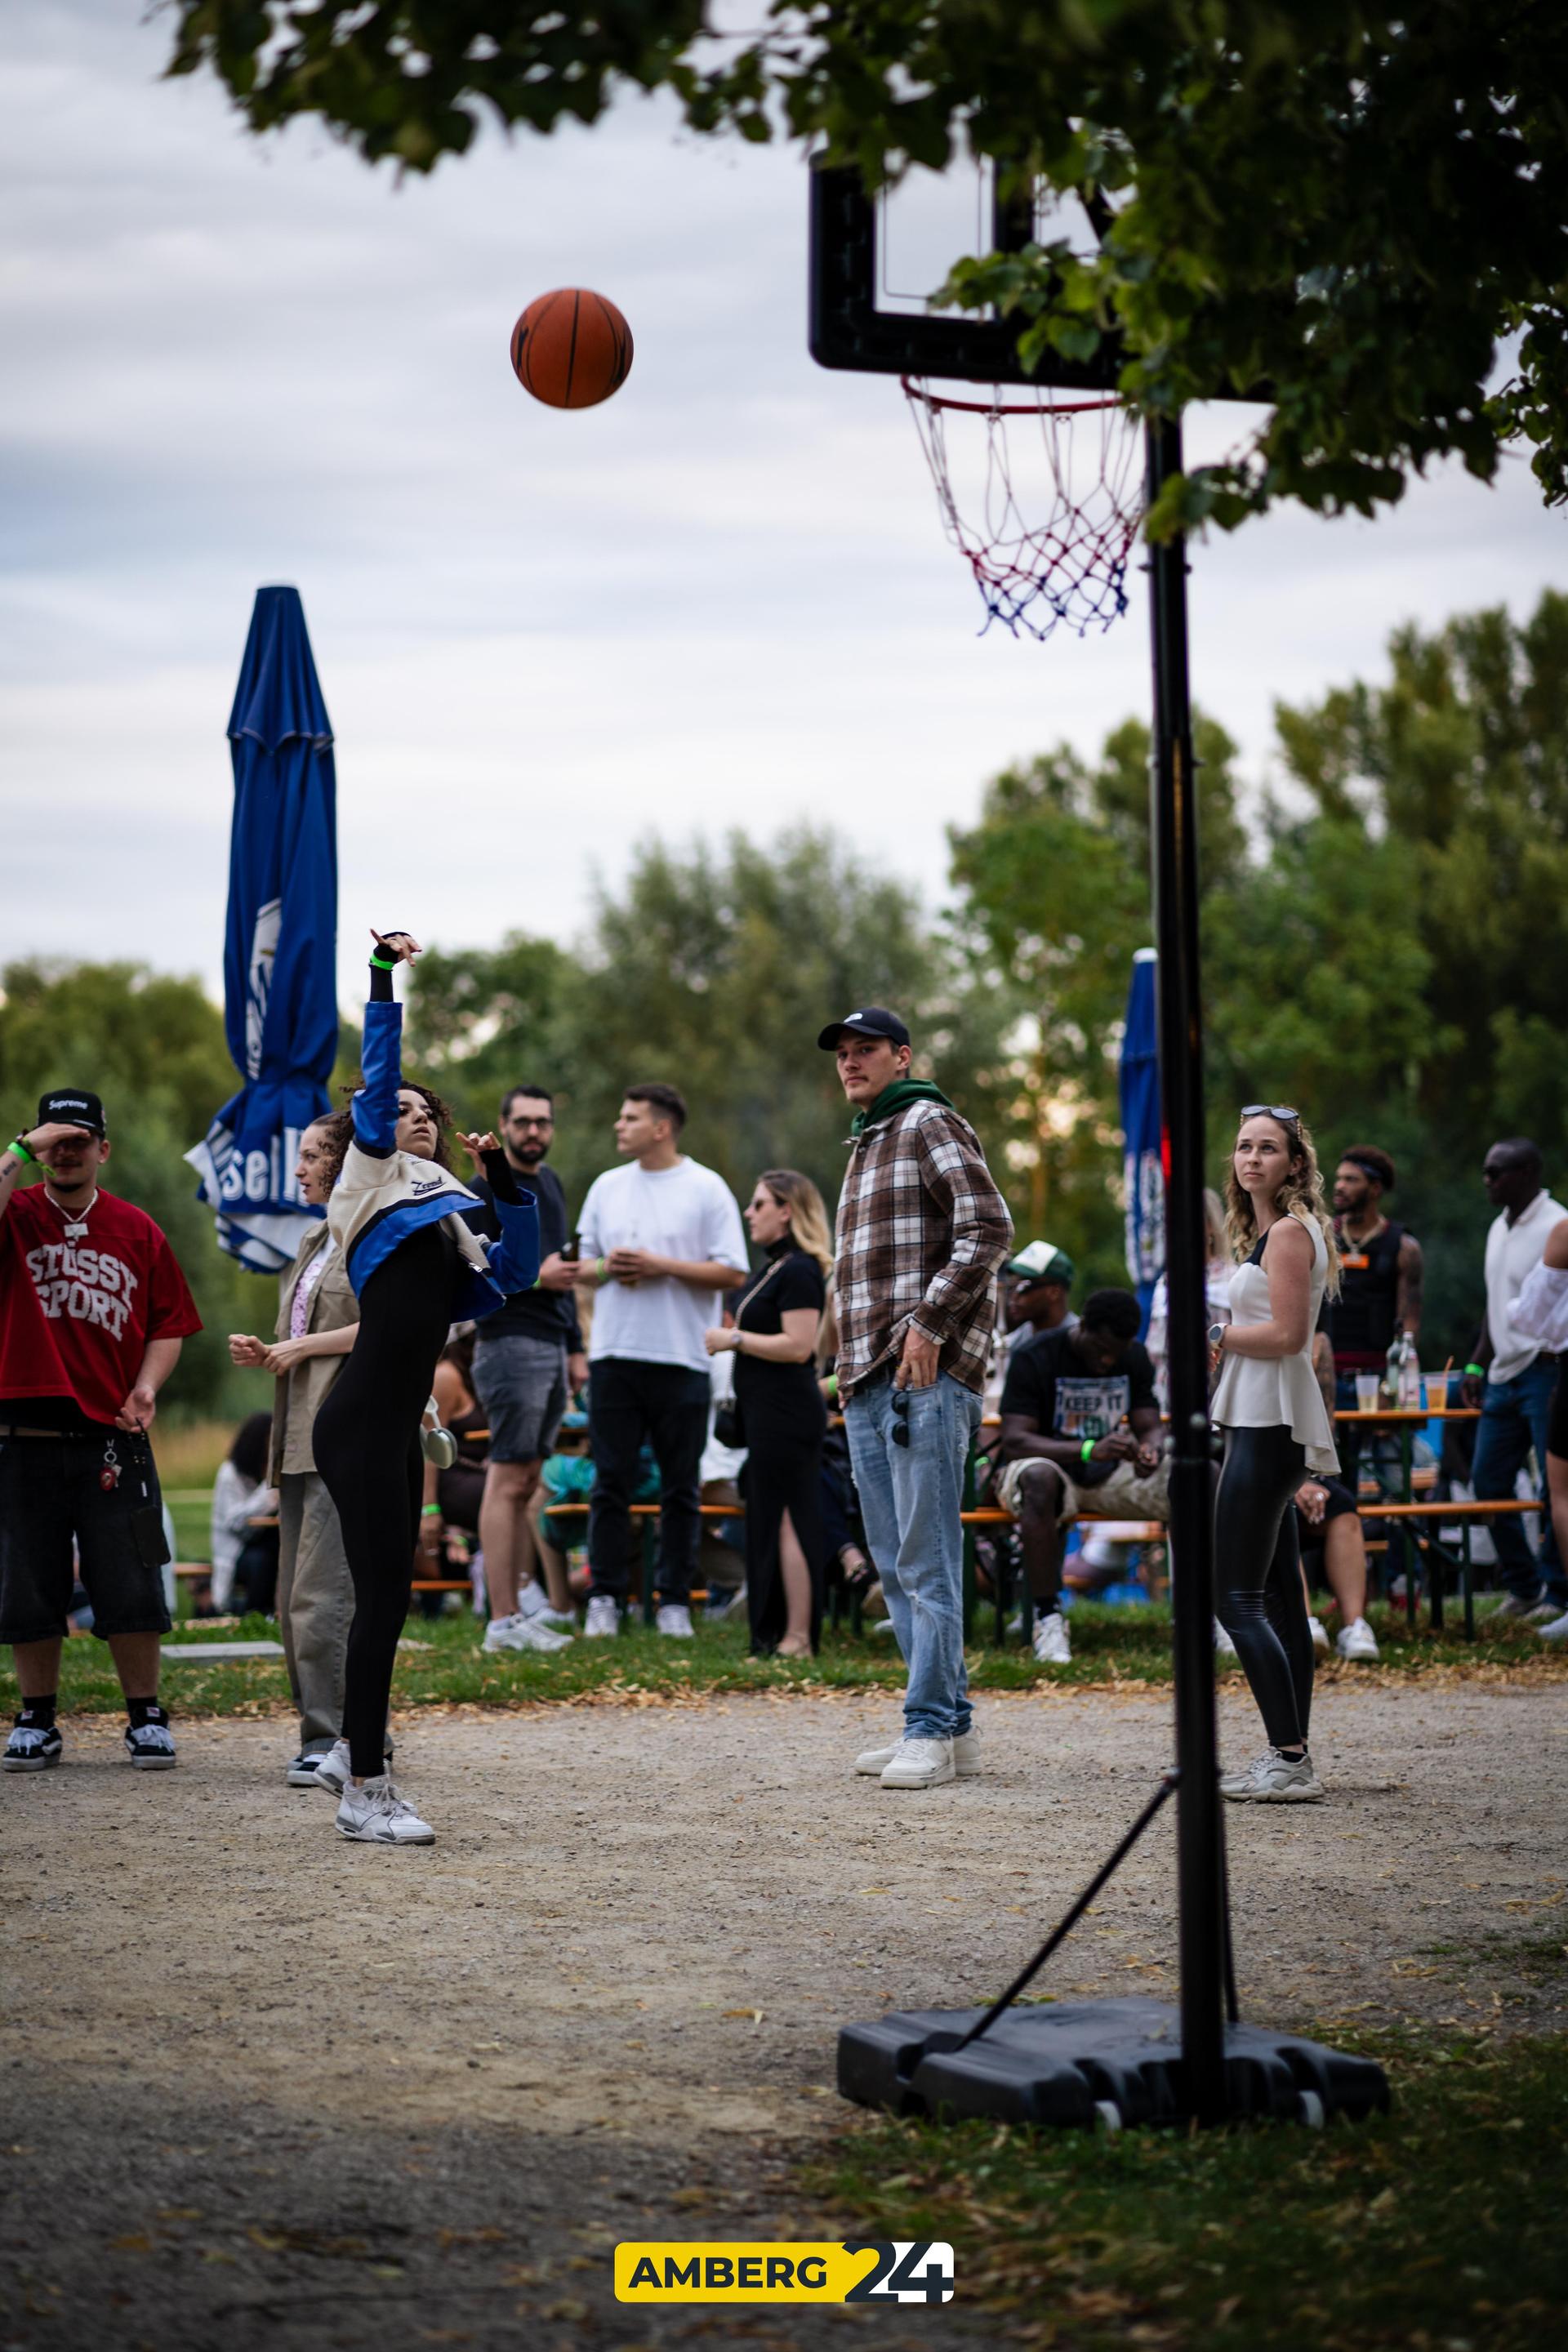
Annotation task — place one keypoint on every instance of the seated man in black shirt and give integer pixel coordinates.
(1080, 1428)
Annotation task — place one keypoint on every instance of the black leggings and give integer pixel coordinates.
(1257, 1570)
(366, 1444)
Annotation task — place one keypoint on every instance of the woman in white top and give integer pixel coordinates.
(1277, 1429)
(1540, 1312)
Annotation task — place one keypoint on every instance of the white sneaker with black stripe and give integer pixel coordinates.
(31, 1748)
(151, 1746)
(378, 1814)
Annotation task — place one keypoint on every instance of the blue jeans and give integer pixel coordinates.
(1514, 1415)
(911, 1498)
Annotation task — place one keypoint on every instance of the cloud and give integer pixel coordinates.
(722, 598)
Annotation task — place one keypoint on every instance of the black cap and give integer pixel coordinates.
(72, 1107)
(876, 1021)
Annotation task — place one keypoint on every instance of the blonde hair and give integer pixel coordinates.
(1300, 1195)
(807, 1217)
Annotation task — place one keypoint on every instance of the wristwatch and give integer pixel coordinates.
(1216, 1334)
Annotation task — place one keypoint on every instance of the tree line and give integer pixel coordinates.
(1385, 946)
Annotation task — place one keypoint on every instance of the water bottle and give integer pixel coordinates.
(1388, 1390)
(1409, 1375)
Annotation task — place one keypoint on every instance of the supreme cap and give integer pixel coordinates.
(72, 1107)
(875, 1021)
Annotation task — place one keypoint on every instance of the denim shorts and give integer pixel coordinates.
(52, 1497)
(521, 1384)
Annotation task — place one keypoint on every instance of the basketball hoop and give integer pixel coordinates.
(1080, 461)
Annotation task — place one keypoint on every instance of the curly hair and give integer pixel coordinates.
(339, 1125)
(1300, 1195)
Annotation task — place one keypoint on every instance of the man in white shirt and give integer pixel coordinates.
(662, 1241)
(1511, 1380)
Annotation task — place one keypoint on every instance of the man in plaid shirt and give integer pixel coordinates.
(921, 1232)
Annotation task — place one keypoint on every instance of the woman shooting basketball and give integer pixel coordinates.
(415, 1268)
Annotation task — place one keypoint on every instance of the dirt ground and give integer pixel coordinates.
(260, 2086)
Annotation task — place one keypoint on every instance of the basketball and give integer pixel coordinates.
(572, 349)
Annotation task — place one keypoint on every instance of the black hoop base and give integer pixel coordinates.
(1085, 2062)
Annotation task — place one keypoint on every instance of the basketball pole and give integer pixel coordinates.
(1173, 822)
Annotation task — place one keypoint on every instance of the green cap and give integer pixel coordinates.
(1042, 1262)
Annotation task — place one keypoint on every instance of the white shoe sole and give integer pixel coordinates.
(28, 1763)
(1275, 1796)
(874, 1761)
(366, 1837)
(152, 1763)
(926, 1780)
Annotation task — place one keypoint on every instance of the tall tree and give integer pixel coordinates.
(1053, 898)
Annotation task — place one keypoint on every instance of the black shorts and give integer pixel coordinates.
(50, 1494)
(1340, 1501)
(1557, 1421)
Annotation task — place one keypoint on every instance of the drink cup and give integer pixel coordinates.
(1366, 1392)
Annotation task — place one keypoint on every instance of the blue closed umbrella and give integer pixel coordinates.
(1143, 1161)
(280, 1006)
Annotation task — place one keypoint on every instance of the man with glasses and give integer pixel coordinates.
(527, 1362)
(921, 1232)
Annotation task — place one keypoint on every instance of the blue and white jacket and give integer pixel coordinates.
(382, 1195)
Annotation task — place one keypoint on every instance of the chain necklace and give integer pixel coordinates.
(75, 1219)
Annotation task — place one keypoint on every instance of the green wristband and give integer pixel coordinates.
(21, 1151)
(431, 1511)
(599, 1265)
(1086, 1451)
(833, 1384)
(385, 964)
(1476, 1372)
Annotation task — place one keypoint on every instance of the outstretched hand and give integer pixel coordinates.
(401, 944)
(476, 1146)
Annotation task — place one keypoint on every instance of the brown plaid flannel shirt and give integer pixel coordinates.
(921, 1232)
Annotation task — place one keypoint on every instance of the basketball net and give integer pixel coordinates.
(1077, 465)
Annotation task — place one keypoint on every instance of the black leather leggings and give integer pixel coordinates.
(366, 1444)
(1258, 1572)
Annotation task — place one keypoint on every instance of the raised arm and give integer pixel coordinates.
(31, 1150)
(375, 1105)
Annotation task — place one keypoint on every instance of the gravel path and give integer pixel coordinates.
(267, 2087)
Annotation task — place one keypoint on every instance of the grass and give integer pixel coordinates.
(1112, 1649)
(1438, 2227)
(188, 1454)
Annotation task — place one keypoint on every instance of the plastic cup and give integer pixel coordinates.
(1366, 1392)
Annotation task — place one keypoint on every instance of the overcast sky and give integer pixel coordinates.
(721, 599)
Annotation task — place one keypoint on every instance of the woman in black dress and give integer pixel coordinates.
(784, 1420)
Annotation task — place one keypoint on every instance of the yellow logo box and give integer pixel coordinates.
(725, 2269)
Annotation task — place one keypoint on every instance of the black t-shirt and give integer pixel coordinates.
(1049, 1383)
(540, 1314)
(787, 1282)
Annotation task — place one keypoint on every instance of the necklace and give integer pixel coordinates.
(75, 1219)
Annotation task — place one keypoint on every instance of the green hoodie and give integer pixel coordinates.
(898, 1096)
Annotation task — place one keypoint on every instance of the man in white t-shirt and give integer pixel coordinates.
(1511, 1380)
(661, 1244)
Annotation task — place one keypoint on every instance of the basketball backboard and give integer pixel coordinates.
(874, 262)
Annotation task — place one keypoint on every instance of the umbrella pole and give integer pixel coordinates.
(1175, 861)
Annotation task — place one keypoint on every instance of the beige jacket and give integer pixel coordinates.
(301, 1392)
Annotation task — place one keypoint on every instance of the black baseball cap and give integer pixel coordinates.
(876, 1021)
(72, 1107)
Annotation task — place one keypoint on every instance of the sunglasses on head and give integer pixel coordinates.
(1271, 1110)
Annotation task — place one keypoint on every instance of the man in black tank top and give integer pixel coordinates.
(1380, 1291)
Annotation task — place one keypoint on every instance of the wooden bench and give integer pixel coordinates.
(1422, 1516)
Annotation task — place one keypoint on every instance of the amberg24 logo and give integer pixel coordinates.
(903, 2270)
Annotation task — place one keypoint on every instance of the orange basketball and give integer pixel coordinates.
(572, 349)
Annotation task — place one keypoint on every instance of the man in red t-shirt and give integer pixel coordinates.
(93, 1309)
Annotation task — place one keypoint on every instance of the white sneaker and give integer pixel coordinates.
(674, 1618)
(1320, 1631)
(1051, 1644)
(521, 1632)
(1558, 1628)
(1223, 1647)
(1272, 1778)
(920, 1764)
(332, 1770)
(966, 1757)
(378, 1814)
(1357, 1640)
(604, 1617)
(533, 1602)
